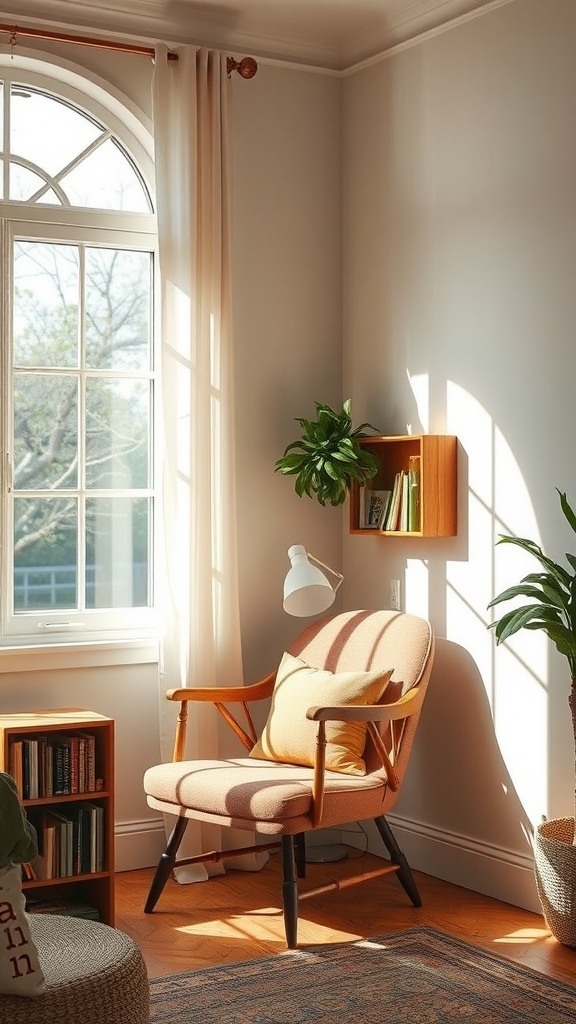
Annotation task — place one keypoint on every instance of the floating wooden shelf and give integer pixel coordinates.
(438, 498)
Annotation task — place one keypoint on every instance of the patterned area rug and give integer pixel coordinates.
(418, 976)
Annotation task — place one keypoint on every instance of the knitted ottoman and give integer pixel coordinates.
(94, 974)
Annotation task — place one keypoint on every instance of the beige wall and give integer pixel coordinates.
(460, 247)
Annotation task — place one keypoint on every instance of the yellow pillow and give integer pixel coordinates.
(290, 737)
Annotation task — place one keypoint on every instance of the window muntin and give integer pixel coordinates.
(56, 154)
(79, 368)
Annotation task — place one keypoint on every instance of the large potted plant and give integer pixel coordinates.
(552, 608)
(327, 459)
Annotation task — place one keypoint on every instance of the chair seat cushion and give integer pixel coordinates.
(290, 737)
(252, 794)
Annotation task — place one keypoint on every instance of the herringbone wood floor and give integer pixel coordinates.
(237, 916)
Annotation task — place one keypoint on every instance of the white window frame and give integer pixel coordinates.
(93, 227)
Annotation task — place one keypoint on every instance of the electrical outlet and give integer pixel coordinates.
(395, 594)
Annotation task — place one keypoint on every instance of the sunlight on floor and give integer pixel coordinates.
(525, 935)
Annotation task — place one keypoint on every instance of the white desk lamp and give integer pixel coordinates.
(307, 591)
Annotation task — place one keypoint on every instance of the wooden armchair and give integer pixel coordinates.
(388, 656)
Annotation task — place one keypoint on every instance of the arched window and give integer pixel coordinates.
(78, 367)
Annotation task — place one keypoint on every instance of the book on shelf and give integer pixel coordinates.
(28, 872)
(403, 517)
(414, 493)
(16, 765)
(96, 815)
(362, 488)
(87, 761)
(47, 847)
(74, 763)
(376, 506)
(393, 516)
(64, 833)
(80, 839)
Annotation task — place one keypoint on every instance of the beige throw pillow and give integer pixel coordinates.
(20, 970)
(290, 737)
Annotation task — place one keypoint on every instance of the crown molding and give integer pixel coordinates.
(404, 22)
(276, 34)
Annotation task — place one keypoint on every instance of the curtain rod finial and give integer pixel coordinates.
(246, 68)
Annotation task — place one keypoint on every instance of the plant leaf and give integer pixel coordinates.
(327, 459)
(567, 510)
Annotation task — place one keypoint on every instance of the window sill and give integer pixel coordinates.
(93, 654)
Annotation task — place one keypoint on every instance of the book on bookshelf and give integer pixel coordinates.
(392, 518)
(362, 505)
(16, 765)
(64, 839)
(403, 517)
(96, 813)
(414, 493)
(376, 506)
(49, 848)
(87, 768)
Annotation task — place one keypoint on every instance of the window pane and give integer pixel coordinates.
(117, 431)
(45, 560)
(117, 534)
(106, 180)
(46, 131)
(24, 184)
(46, 282)
(45, 432)
(118, 309)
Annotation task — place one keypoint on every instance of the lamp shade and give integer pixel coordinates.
(307, 591)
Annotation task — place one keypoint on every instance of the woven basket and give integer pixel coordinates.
(555, 869)
(95, 974)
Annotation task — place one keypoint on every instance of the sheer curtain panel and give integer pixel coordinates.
(201, 641)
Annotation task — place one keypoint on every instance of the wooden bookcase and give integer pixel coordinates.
(93, 888)
(437, 455)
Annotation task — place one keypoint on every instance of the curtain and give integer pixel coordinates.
(201, 633)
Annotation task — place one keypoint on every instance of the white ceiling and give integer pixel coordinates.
(333, 34)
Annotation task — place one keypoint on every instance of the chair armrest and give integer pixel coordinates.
(407, 705)
(402, 708)
(225, 694)
(219, 696)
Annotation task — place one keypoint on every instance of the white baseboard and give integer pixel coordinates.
(139, 844)
(502, 874)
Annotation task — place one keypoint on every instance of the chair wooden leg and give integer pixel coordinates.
(300, 854)
(289, 892)
(165, 864)
(403, 871)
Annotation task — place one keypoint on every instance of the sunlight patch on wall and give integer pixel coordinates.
(420, 386)
(417, 597)
(515, 675)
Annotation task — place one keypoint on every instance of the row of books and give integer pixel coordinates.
(54, 765)
(396, 509)
(69, 843)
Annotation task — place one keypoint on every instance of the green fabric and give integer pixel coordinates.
(18, 843)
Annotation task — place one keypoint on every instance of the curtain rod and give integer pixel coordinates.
(107, 44)
(246, 68)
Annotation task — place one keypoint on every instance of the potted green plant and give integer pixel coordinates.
(552, 608)
(327, 459)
